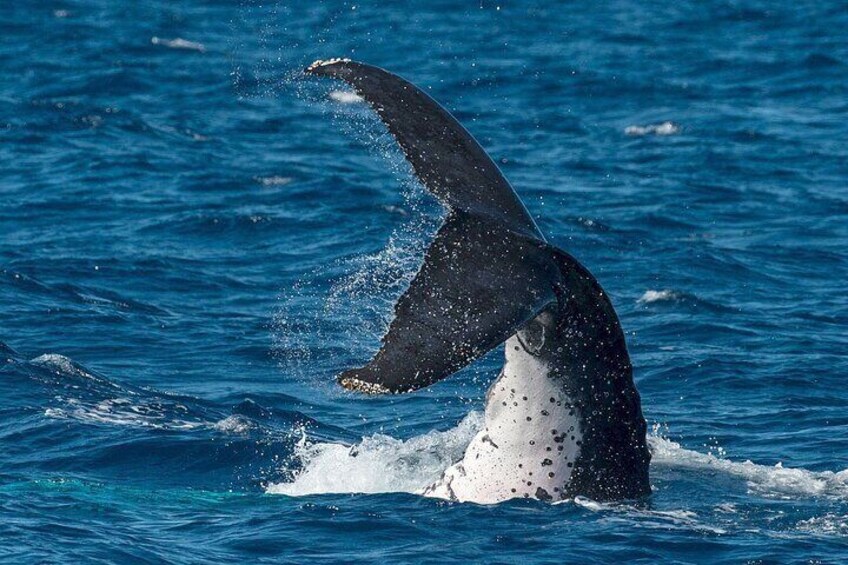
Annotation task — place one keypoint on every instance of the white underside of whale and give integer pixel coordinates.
(531, 439)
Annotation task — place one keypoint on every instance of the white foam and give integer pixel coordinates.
(770, 481)
(379, 463)
(234, 425)
(345, 97)
(56, 361)
(60, 364)
(121, 412)
(664, 128)
(179, 43)
(657, 296)
(663, 519)
(829, 525)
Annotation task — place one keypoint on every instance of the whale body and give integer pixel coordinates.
(564, 417)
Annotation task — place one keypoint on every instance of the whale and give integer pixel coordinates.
(564, 418)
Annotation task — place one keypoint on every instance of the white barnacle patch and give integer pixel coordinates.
(326, 62)
(357, 385)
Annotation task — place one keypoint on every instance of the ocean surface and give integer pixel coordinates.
(194, 240)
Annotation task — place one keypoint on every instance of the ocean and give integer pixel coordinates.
(195, 239)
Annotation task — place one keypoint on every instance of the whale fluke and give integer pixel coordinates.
(488, 270)
(564, 406)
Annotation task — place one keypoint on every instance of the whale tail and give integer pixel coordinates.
(488, 270)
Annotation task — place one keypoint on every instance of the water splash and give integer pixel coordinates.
(379, 463)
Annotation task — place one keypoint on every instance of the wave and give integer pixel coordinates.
(102, 402)
(99, 298)
(231, 224)
(81, 395)
(382, 464)
(322, 463)
(765, 480)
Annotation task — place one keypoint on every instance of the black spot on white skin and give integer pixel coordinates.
(553, 400)
(547, 462)
(559, 448)
(571, 464)
(545, 413)
(548, 448)
(523, 398)
(551, 475)
(517, 348)
(542, 494)
(532, 442)
(529, 419)
(512, 490)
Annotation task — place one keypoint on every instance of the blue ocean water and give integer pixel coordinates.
(194, 240)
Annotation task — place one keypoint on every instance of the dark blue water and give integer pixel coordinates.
(194, 241)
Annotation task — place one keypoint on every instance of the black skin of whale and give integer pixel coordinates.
(489, 274)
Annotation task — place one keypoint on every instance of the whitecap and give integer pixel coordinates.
(664, 128)
(179, 43)
(651, 296)
(62, 365)
(235, 425)
(273, 180)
